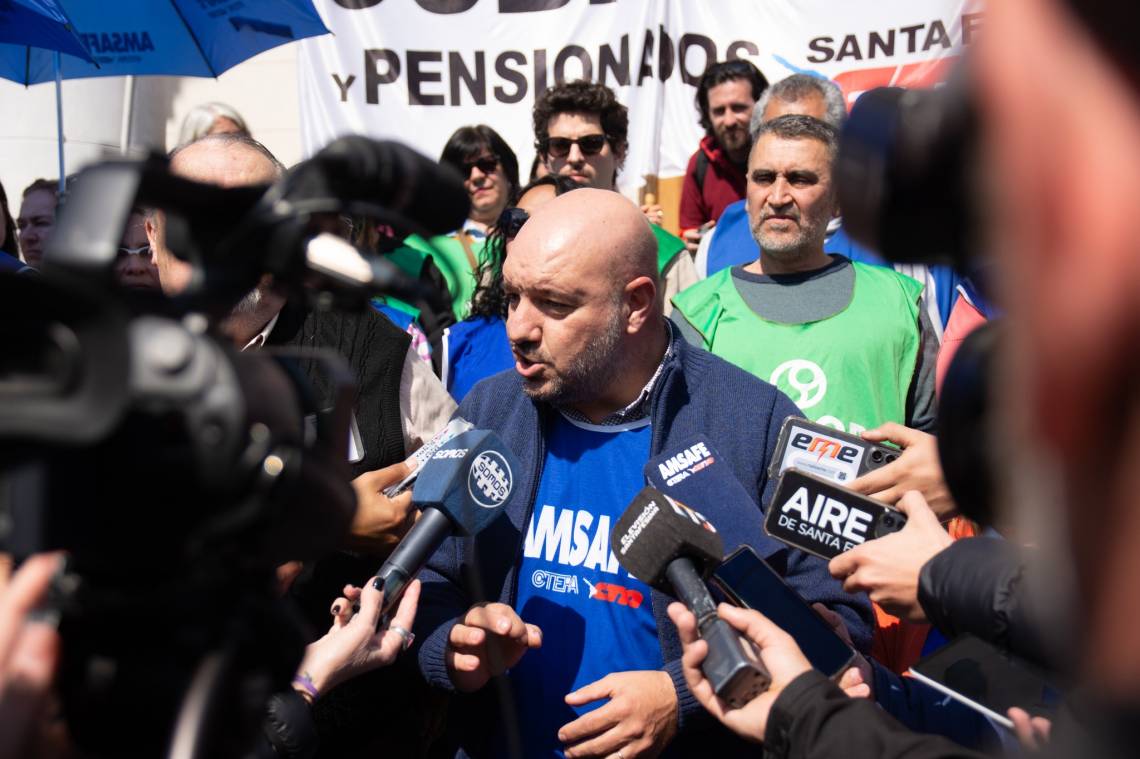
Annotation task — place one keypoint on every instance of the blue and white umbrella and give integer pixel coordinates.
(157, 37)
(40, 24)
(165, 37)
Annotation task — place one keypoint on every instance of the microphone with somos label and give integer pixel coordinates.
(671, 547)
(460, 490)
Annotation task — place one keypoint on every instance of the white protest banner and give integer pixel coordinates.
(415, 70)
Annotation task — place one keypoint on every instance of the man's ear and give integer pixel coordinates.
(150, 225)
(641, 300)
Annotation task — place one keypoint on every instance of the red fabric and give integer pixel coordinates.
(724, 184)
(964, 319)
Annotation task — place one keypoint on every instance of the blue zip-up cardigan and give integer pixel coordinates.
(696, 393)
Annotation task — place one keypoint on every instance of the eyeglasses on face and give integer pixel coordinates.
(143, 251)
(559, 147)
(511, 221)
(487, 165)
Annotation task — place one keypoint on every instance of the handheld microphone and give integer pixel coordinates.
(695, 473)
(460, 491)
(383, 174)
(666, 544)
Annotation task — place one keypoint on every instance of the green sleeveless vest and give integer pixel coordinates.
(450, 258)
(851, 370)
(668, 246)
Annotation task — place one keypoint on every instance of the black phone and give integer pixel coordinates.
(816, 515)
(826, 452)
(989, 680)
(749, 582)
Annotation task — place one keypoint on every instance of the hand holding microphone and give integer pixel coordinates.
(460, 490)
(671, 547)
(781, 657)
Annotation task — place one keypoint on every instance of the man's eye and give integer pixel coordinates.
(554, 305)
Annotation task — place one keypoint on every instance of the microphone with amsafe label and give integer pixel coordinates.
(461, 489)
(667, 545)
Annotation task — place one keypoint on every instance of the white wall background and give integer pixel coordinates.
(263, 89)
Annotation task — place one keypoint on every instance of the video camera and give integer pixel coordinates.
(907, 182)
(176, 471)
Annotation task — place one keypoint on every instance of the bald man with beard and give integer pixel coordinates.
(600, 385)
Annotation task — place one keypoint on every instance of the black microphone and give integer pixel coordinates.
(460, 491)
(383, 174)
(667, 545)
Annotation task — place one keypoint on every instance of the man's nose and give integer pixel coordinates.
(134, 264)
(575, 155)
(778, 194)
(524, 324)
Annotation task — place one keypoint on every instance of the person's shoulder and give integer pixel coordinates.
(693, 298)
(493, 398)
(722, 381)
(887, 276)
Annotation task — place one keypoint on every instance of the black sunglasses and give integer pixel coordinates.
(511, 221)
(559, 147)
(487, 165)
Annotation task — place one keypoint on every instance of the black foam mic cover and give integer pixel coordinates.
(387, 174)
(656, 529)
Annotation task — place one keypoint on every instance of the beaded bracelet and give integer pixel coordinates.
(306, 682)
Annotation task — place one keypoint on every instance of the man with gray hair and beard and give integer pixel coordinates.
(847, 341)
(601, 384)
(399, 405)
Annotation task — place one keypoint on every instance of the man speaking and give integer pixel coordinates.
(601, 384)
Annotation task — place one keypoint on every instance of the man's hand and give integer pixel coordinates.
(887, 568)
(639, 720)
(653, 213)
(778, 651)
(1032, 732)
(692, 237)
(917, 468)
(29, 654)
(380, 521)
(489, 640)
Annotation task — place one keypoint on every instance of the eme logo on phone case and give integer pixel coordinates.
(821, 450)
(821, 518)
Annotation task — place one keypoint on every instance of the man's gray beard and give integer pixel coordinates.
(784, 253)
(249, 303)
(591, 372)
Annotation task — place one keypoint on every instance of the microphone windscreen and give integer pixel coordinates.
(656, 529)
(469, 479)
(393, 175)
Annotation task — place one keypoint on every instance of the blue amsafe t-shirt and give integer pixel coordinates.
(595, 618)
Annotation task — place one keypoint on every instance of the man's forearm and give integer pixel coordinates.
(813, 717)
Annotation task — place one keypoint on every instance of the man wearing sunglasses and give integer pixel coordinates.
(580, 132)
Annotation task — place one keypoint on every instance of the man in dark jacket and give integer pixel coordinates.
(601, 384)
